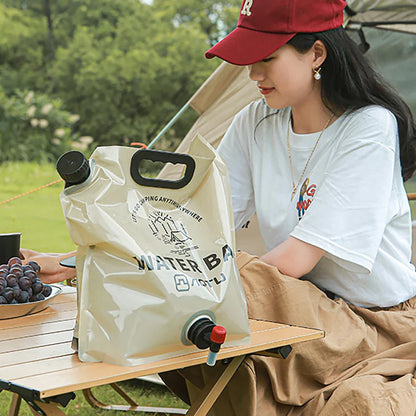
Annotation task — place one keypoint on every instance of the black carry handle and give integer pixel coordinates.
(165, 157)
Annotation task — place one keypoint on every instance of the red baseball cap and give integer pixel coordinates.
(266, 25)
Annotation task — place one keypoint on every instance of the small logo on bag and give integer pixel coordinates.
(181, 283)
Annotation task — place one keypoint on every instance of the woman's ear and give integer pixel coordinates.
(319, 53)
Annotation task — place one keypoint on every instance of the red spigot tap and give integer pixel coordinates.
(217, 338)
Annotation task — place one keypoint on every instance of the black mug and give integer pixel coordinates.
(9, 246)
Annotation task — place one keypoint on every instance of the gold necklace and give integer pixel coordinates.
(295, 188)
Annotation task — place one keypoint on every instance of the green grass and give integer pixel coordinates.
(143, 393)
(38, 216)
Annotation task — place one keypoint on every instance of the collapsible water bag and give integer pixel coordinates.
(156, 269)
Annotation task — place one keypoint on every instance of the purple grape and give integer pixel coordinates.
(35, 266)
(31, 274)
(8, 294)
(37, 287)
(47, 290)
(16, 270)
(11, 280)
(23, 297)
(17, 291)
(14, 260)
(25, 283)
(25, 268)
(37, 297)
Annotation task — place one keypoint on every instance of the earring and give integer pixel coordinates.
(317, 74)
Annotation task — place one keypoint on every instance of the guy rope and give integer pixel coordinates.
(31, 191)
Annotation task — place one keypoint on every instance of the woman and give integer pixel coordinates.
(321, 161)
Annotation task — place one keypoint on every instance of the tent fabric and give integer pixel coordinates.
(371, 11)
(228, 93)
(360, 6)
(213, 87)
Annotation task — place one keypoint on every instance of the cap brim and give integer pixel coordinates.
(245, 46)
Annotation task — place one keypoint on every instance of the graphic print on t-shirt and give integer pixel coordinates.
(305, 198)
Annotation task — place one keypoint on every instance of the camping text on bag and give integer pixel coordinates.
(156, 258)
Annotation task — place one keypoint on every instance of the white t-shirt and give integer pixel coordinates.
(354, 207)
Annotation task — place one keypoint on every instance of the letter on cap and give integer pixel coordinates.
(246, 8)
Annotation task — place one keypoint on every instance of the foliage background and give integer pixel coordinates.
(114, 71)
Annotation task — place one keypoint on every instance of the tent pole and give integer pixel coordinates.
(169, 125)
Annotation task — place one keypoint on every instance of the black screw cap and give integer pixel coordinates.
(73, 167)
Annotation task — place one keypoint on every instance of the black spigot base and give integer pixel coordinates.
(205, 334)
(200, 331)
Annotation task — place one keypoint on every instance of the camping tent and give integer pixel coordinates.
(399, 15)
(388, 26)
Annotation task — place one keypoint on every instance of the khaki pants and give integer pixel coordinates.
(363, 366)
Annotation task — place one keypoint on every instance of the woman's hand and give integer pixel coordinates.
(50, 269)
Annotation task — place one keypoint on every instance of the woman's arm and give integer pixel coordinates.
(294, 257)
(50, 269)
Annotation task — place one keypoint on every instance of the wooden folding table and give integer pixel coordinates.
(38, 364)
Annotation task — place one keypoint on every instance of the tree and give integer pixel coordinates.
(215, 18)
(21, 51)
(57, 21)
(124, 66)
(34, 127)
(127, 83)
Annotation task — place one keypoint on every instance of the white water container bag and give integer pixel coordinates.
(153, 255)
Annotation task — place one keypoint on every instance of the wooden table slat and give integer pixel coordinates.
(68, 361)
(45, 366)
(65, 296)
(32, 330)
(81, 377)
(21, 344)
(48, 315)
(40, 353)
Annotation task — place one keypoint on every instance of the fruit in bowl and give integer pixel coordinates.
(19, 283)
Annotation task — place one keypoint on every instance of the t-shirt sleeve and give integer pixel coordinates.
(235, 152)
(349, 211)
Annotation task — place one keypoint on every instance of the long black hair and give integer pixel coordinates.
(349, 82)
